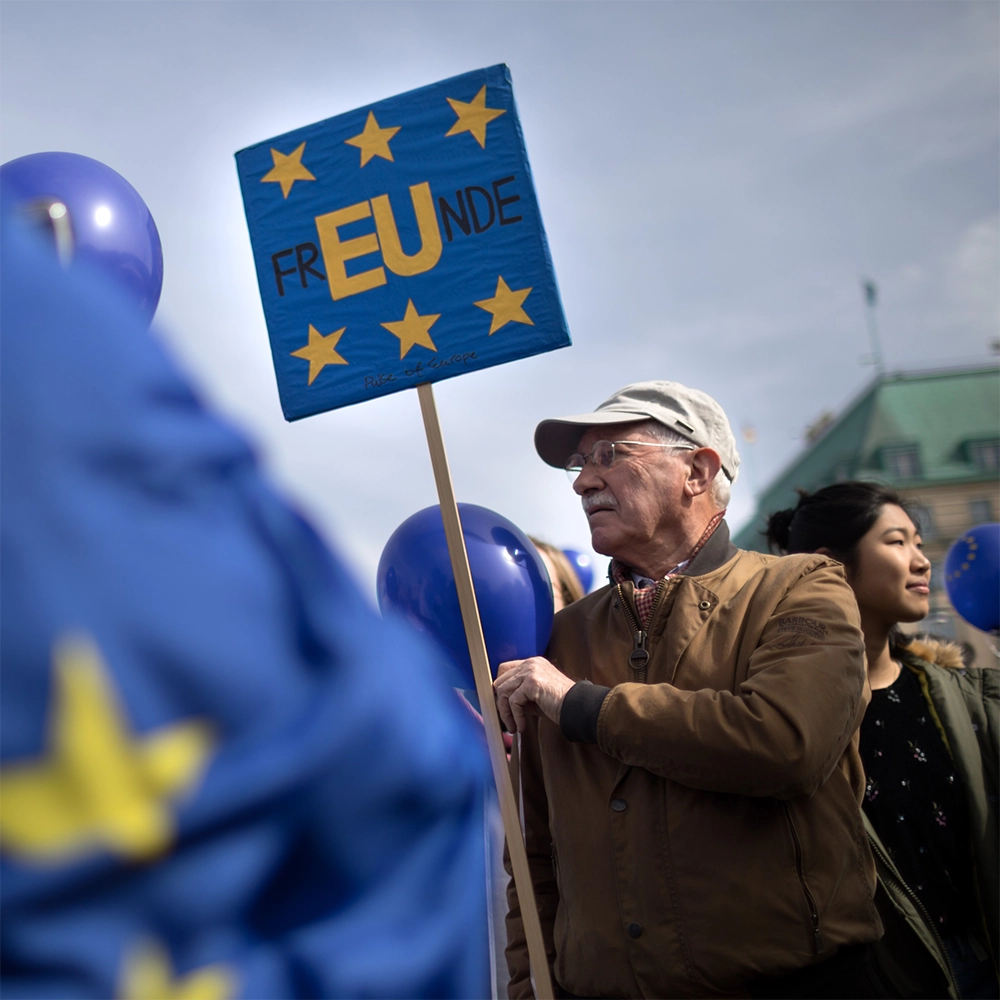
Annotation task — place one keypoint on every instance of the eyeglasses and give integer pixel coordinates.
(604, 454)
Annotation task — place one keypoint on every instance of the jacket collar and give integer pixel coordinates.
(716, 552)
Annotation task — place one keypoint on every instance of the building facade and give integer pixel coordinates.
(935, 437)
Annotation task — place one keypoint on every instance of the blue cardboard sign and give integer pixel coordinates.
(400, 243)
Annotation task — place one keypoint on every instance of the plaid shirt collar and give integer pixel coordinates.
(645, 587)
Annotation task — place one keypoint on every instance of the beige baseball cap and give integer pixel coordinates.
(689, 412)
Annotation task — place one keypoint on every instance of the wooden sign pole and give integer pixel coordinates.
(484, 688)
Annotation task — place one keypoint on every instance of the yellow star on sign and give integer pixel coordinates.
(287, 169)
(320, 351)
(413, 329)
(101, 786)
(373, 141)
(474, 116)
(147, 975)
(506, 306)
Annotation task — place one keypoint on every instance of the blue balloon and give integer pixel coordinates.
(112, 227)
(972, 576)
(583, 565)
(512, 586)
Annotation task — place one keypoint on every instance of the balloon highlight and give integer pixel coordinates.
(583, 566)
(112, 229)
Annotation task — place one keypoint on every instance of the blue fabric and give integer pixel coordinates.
(334, 846)
(459, 142)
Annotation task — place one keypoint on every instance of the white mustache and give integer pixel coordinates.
(603, 499)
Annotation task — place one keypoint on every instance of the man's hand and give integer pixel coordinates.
(529, 687)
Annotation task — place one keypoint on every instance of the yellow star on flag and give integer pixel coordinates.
(373, 141)
(100, 785)
(320, 351)
(474, 116)
(287, 169)
(147, 975)
(413, 329)
(506, 306)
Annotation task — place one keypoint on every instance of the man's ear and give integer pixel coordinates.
(705, 463)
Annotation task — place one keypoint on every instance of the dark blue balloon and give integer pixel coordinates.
(972, 576)
(112, 227)
(583, 566)
(512, 586)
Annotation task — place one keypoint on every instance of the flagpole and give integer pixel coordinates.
(871, 298)
(484, 688)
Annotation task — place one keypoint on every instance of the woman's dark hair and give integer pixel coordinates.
(836, 517)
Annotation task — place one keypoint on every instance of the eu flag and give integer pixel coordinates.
(400, 243)
(220, 774)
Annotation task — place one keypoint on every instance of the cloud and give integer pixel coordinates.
(973, 277)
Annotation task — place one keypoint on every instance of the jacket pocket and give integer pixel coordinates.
(800, 873)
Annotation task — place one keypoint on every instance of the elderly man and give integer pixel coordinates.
(689, 767)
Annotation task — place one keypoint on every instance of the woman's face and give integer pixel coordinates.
(891, 575)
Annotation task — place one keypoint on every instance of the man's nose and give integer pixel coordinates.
(588, 479)
(920, 563)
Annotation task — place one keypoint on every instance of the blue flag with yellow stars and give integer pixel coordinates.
(400, 243)
(222, 775)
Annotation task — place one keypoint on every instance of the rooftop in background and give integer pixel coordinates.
(906, 429)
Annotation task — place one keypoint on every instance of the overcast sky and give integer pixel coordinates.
(715, 179)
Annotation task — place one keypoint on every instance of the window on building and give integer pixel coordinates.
(926, 525)
(903, 463)
(981, 510)
(985, 455)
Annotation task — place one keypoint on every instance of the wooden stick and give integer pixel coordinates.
(484, 688)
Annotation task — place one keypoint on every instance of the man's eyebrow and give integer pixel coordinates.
(901, 528)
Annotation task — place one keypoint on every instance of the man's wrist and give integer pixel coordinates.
(580, 710)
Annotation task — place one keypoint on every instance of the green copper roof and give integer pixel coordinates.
(909, 430)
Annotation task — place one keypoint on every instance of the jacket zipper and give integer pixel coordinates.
(912, 896)
(639, 656)
(810, 899)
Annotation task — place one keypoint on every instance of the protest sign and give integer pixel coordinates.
(395, 246)
(400, 244)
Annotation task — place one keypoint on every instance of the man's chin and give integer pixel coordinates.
(601, 542)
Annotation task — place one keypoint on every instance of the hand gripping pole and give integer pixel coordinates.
(484, 688)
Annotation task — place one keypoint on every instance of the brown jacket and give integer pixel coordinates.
(694, 823)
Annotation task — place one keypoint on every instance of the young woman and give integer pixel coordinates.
(929, 745)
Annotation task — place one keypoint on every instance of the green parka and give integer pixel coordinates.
(964, 705)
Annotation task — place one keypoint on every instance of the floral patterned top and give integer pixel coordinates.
(915, 800)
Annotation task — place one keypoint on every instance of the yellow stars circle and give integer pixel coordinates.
(287, 169)
(101, 785)
(321, 351)
(473, 116)
(373, 141)
(413, 329)
(506, 306)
